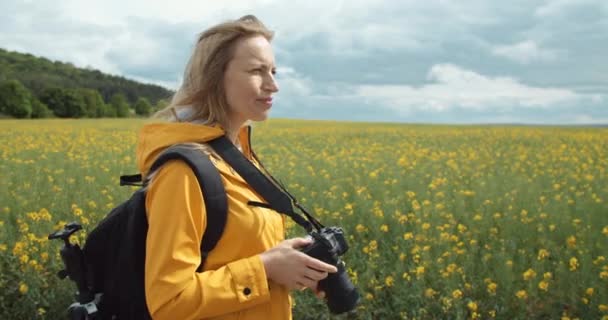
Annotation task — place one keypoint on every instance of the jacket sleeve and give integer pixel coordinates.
(177, 220)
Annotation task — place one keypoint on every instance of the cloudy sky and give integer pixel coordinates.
(518, 61)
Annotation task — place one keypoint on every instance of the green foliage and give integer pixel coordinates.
(39, 109)
(108, 111)
(143, 107)
(120, 105)
(65, 103)
(38, 74)
(93, 101)
(15, 99)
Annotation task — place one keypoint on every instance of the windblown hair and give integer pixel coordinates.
(201, 95)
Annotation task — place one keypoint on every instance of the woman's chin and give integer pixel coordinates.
(260, 116)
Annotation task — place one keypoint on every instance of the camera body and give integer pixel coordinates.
(328, 245)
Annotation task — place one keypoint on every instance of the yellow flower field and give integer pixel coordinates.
(458, 222)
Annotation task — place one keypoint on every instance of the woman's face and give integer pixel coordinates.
(249, 81)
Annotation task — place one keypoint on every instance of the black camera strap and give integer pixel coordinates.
(295, 202)
(274, 193)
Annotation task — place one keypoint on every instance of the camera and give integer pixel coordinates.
(328, 245)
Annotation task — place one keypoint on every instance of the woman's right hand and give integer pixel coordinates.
(286, 265)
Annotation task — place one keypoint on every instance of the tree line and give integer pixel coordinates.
(34, 87)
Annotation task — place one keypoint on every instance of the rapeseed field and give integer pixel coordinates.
(443, 222)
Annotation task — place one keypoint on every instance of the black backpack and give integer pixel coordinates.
(109, 270)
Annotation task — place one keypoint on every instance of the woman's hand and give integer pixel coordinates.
(286, 265)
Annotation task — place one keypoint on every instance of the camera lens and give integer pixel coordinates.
(341, 294)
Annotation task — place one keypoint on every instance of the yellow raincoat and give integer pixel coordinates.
(233, 284)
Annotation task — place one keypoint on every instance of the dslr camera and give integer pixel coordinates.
(328, 245)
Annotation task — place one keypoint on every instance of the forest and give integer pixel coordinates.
(36, 87)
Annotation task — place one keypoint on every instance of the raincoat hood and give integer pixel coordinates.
(155, 137)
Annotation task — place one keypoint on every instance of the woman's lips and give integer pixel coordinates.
(266, 101)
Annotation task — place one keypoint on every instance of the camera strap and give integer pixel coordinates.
(273, 192)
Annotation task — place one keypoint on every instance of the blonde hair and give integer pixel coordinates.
(202, 90)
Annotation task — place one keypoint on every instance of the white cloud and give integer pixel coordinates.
(525, 52)
(455, 87)
(292, 83)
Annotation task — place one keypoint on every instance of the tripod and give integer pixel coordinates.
(86, 306)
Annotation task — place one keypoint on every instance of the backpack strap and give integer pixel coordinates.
(216, 202)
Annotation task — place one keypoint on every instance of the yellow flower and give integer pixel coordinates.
(543, 285)
(389, 281)
(529, 274)
(542, 254)
(605, 231)
(419, 271)
(457, 294)
(41, 311)
(415, 205)
(571, 241)
(384, 228)
(603, 307)
(472, 306)
(461, 228)
(369, 296)
(573, 264)
(373, 245)
(360, 228)
(547, 275)
(492, 288)
(408, 236)
(429, 293)
(521, 294)
(589, 291)
(23, 288)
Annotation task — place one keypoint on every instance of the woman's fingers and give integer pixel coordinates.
(315, 274)
(320, 265)
(308, 283)
(297, 243)
(287, 265)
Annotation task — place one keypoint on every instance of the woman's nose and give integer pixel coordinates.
(271, 84)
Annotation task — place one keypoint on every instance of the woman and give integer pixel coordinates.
(228, 82)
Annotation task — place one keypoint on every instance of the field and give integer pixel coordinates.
(444, 222)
